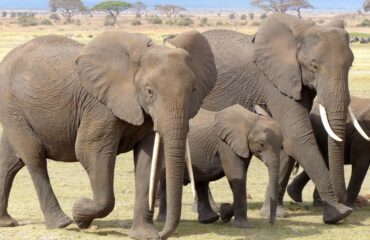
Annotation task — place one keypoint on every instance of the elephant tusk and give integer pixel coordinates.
(190, 168)
(357, 124)
(325, 121)
(153, 169)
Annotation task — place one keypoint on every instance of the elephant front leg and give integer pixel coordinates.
(100, 169)
(235, 170)
(143, 226)
(205, 211)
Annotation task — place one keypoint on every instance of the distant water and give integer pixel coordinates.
(341, 5)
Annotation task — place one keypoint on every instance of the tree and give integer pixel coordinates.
(138, 6)
(282, 5)
(171, 11)
(367, 5)
(113, 8)
(69, 8)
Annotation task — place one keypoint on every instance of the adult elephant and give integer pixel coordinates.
(283, 67)
(69, 102)
(357, 150)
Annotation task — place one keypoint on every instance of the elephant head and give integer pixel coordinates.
(136, 78)
(302, 60)
(246, 132)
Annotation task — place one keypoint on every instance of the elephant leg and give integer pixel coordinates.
(360, 159)
(215, 207)
(235, 170)
(29, 149)
(317, 202)
(286, 168)
(162, 212)
(9, 166)
(100, 169)
(296, 187)
(205, 212)
(143, 226)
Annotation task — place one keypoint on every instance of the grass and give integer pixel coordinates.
(70, 182)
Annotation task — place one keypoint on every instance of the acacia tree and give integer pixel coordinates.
(68, 8)
(282, 5)
(138, 6)
(367, 5)
(113, 8)
(171, 11)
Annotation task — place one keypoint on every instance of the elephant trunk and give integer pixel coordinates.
(174, 141)
(273, 168)
(336, 109)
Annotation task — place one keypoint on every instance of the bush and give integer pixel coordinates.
(45, 22)
(251, 16)
(184, 21)
(108, 21)
(27, 21)
(243, 17)
(136, 22)
(203, 21)
(13, 15)
(154, 20)
(365, 23)
(244, 23)
(78, 22)
(54, 17)
(3, 14)
(232, 16)
(219, 23)
(30, 14)
(263, 16)
(255, 24)
(169, 22)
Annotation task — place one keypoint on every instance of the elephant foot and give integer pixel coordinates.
(82, 219)
(144, 231)
(294, 193)
(61, 221)
(208, 217)
(226, 212)
(243, 223)
(8, 221)
(280, 211)
(335, 213)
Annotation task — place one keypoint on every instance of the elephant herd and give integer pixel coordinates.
(245, 95)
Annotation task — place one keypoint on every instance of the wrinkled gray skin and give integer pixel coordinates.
(68, 102)
(283, 67)
(357, 151)
(223, 143)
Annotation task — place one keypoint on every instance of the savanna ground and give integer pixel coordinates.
(70, 181)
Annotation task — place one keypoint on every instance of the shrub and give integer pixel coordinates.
(219, 23)
(3, 14)
(20, 14)
(203, 21)
(45, 22)
(263, 16)
(136, 22)
(78, 22)
(243, 17)
(27, 21)
(232, 16)
(13, 15)
(169, 22)
(243, 23)
(184, 21)
(255, 24)
(365, 23)
(154, 20)
(251, 16)
(54, 17)
(108, 21)
(30, 14)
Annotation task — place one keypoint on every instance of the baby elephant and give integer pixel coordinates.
(357, 151)
(223, 143)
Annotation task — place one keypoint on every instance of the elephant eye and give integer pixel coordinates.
(262, 145)
(148, 92)
(315, 65)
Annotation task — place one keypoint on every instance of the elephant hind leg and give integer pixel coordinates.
(205, 211)
(28, 147)
(9, 166)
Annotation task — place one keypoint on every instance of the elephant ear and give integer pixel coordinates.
(106, 68)
(275, 52)
(202, 64)
(338, 23)
(233, 125)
